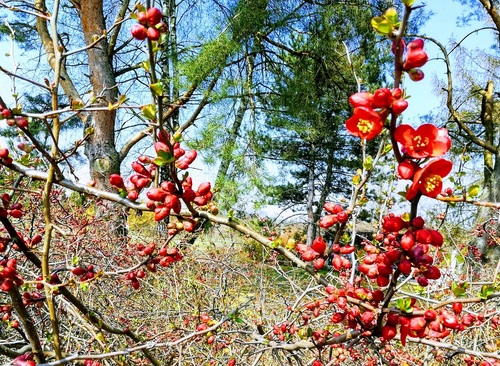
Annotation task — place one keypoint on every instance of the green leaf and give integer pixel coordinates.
(363, 201)
(408, 2)
(177, 137)
(166, 156)
(159, 161)
(385, 24)
(356, 179)
(392, 16)
(486, 291)
(149, 111)
(368, 163)
(474, 190)
(382, 26)
(404, 304)
(157, 88)
(459, 289)
(276, 243)
(146, 66)
(84, 286)
(75, 260)
(387, 148)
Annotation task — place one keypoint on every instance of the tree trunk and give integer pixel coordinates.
(487, 218)
(100, 148)
(491, 185)
(311, 227)
(230, 144)
(326, 188)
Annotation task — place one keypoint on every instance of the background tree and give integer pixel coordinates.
(68, 287)
(471, 101)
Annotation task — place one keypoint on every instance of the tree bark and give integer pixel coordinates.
(311, 227)
(100, 149)
(491, 182)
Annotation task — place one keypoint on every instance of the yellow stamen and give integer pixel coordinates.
(365, 125)
(420, 142)
(431, 182)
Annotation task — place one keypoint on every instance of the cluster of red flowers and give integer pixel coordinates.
(150, 25)
(427, 141)
(168, 195)
(415, 57)
(371, 110)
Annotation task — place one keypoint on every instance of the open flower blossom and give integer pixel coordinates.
(366, 123)
(429, 179)
(425, 142)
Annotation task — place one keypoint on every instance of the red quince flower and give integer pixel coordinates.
(424, 142)
(399, 106)
(415, 55)
(365, 123)
(382, 98)
(406, 169)
(363, 99)
(429, 179)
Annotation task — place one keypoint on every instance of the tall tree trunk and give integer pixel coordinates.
(491, 185)
(230, 144)
(326, 188)
(311, 220)
(100, 148)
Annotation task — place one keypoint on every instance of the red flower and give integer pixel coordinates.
(429, 179)
(415, 55)
(382, 98)
(363, 99)
(365, 123)
(406, 169)
(424, 142)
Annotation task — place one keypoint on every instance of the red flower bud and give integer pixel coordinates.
(116, 181)
(388, 332)
(399, 106)
(327, 221)
(319, 245)
(382, 98)
(139, 32)
(156, 194)
(332, 208)
(405, 266)
(363, 99)
(153, 16)
(406, 169)
(416, 74)
(393, 224)
(203, 189)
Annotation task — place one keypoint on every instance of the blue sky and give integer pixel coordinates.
(443, 27)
